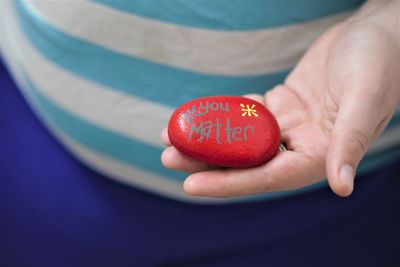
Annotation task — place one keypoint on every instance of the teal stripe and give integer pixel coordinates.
(101, 140)
(369, 163)
(394, 122)
(134, 76)
(375, 160)
(233, 14)
(146, 157)
(126, 150)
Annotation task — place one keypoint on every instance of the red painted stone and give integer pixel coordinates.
(229, 131)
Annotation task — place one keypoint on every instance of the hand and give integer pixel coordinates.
(330, 109)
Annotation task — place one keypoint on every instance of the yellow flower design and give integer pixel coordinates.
(249, 111)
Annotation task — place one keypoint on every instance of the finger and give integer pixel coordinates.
(290, 121)
(288, 170)
(281, 100)
(164, 137)
(173, 159)
(356, 126)
(286, 120)
(256, 97)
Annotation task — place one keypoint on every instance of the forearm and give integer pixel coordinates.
(381, 13)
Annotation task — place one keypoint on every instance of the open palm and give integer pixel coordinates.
(337, 100)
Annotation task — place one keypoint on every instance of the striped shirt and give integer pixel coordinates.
(104, 76)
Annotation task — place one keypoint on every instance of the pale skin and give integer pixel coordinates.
(332, 106)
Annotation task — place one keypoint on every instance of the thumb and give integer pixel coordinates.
(356, 126)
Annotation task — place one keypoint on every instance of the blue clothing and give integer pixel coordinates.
(97, 81)
(55, 211)
(104, 76)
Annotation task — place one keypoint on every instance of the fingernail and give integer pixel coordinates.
(347, 176)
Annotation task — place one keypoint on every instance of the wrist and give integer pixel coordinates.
(388, 17)
(383, 15)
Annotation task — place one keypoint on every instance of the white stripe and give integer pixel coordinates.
(389, 139)
(121, 172)
(201, 50)
(127, 115)
(133, 176)
(111, 168)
